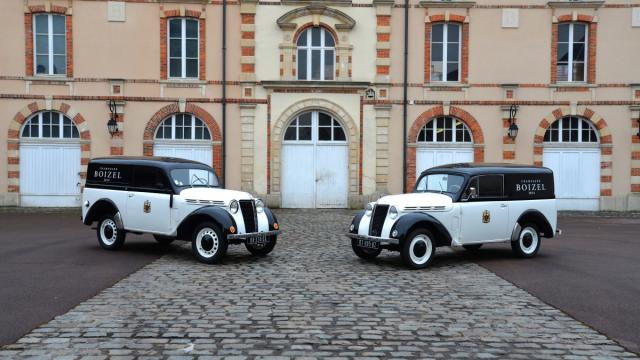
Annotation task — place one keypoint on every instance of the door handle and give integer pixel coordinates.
(130, 195)
(503, 205)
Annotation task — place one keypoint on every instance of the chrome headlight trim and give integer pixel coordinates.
(393, 212)
(368, 209)
(234, 206)
(259, 205)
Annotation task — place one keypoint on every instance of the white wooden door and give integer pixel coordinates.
(200, 153)
(50, 174)
(315, 163)
(576, 173)
(429, 157)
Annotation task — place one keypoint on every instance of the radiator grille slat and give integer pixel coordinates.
(377, 219)
(248, 209)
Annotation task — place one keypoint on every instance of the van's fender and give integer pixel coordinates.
(535, 217)
(356, 222)
(272, 219)
(214, 214)
(101, 207)
(409, 222)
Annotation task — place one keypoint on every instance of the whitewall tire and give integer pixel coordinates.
(109, 236)
(528, 242)
(208, 243)
(418, 249)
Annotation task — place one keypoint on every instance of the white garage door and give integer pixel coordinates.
(571, 152)
(315, 164)
(50, 161)
(443, 140)
(184, 136)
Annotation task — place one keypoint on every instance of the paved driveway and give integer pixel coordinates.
(313, 297)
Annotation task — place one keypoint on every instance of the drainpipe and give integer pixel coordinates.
(224, 93)
(405, 86)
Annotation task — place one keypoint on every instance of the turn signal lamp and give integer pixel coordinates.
(276, 226)
(232, 229)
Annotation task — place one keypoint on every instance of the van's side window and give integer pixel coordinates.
(147, 177)
(487, 186)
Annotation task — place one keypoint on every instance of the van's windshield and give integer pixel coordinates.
(194, 177)
(440, 183)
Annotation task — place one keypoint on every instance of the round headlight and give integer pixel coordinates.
(259, 205)
(234, 206)
(393, 212)
(369, 209)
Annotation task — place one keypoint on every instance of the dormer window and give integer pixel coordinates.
(316, 54)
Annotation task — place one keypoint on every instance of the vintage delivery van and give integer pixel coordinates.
(173, 199)
(460, 205)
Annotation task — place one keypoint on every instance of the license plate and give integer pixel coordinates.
(256, 240)
(368, 244)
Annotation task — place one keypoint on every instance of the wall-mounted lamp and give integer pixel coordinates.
(370, 94)
(513, 128)
(112, 124)
(638, 128)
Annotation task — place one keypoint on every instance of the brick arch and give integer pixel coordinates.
(424, 118)
(202, 114)
(13, 138)
(277, 133)
(605, 141)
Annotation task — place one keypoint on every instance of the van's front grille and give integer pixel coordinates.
(377, 219)
(248, 208)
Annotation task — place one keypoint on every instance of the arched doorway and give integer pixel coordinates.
(571, 149)
(50, 166)
(443, 140)
(315, 162)
(186, 136)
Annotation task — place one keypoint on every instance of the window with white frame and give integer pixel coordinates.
(316, 54)
(49, 44)
(183, 127)
(571, 129)
(445, 129)
(184, 48)
(445, 52)
(572, 49)
(50, 125)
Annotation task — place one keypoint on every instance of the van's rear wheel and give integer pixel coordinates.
(528, 242)
(262, 249)
(208, 243)
(109, 236)
(418, 249)
(364, 253)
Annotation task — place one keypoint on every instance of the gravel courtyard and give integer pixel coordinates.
(312, 298)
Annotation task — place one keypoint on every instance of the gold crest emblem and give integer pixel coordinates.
(147, 206)
(486, 216)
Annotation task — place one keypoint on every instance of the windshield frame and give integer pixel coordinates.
(453, 195)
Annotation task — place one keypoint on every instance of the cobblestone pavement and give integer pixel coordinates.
(313, 298)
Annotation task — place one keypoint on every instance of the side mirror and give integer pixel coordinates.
(470, 194)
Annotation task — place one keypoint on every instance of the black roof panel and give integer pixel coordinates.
(160, 161)
(489, 168)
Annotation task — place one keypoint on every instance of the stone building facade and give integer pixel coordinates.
(312, 112)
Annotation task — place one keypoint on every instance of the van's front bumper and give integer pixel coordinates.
(252, 235)
(381, 241)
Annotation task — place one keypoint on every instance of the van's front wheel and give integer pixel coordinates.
(418, 249)
(208, 243)
(528, 242)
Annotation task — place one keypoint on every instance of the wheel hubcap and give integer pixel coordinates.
(207, 242)
(108, 232)
(528, 240)
(420, 249)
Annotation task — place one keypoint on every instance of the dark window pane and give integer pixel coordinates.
(578, 71)
(422, 136)
(58, 24)
(452, 71)
(324, 119)
(563, 33)
(192, 68)
(175, 28)
(26, 131)
(175, 48)
(315, 65)
(490, 186)
(59, 45)
(578, 52)
(192, 28)
(566, 135)
(436, 52)
(59, 64)
(436, 71)
(192, 48)
(198, 134)
(302, 64)
(328, 39)
(187, 133)
(305, 119)
(436, 33)
(304, 133)
(547, 135)
(453, 33)
(42, 24)
(315, 36)
(175, 68)
(149, 178)
(42, 44)
(574, 122)
(206, 134)
(579, 32)
(324, 133)
(328, 65)
(429, 135)
(302, 39)
(74, 132)
(338, 134)
(563, 52)
(290, 134)
(452, 52)
(42, 64)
